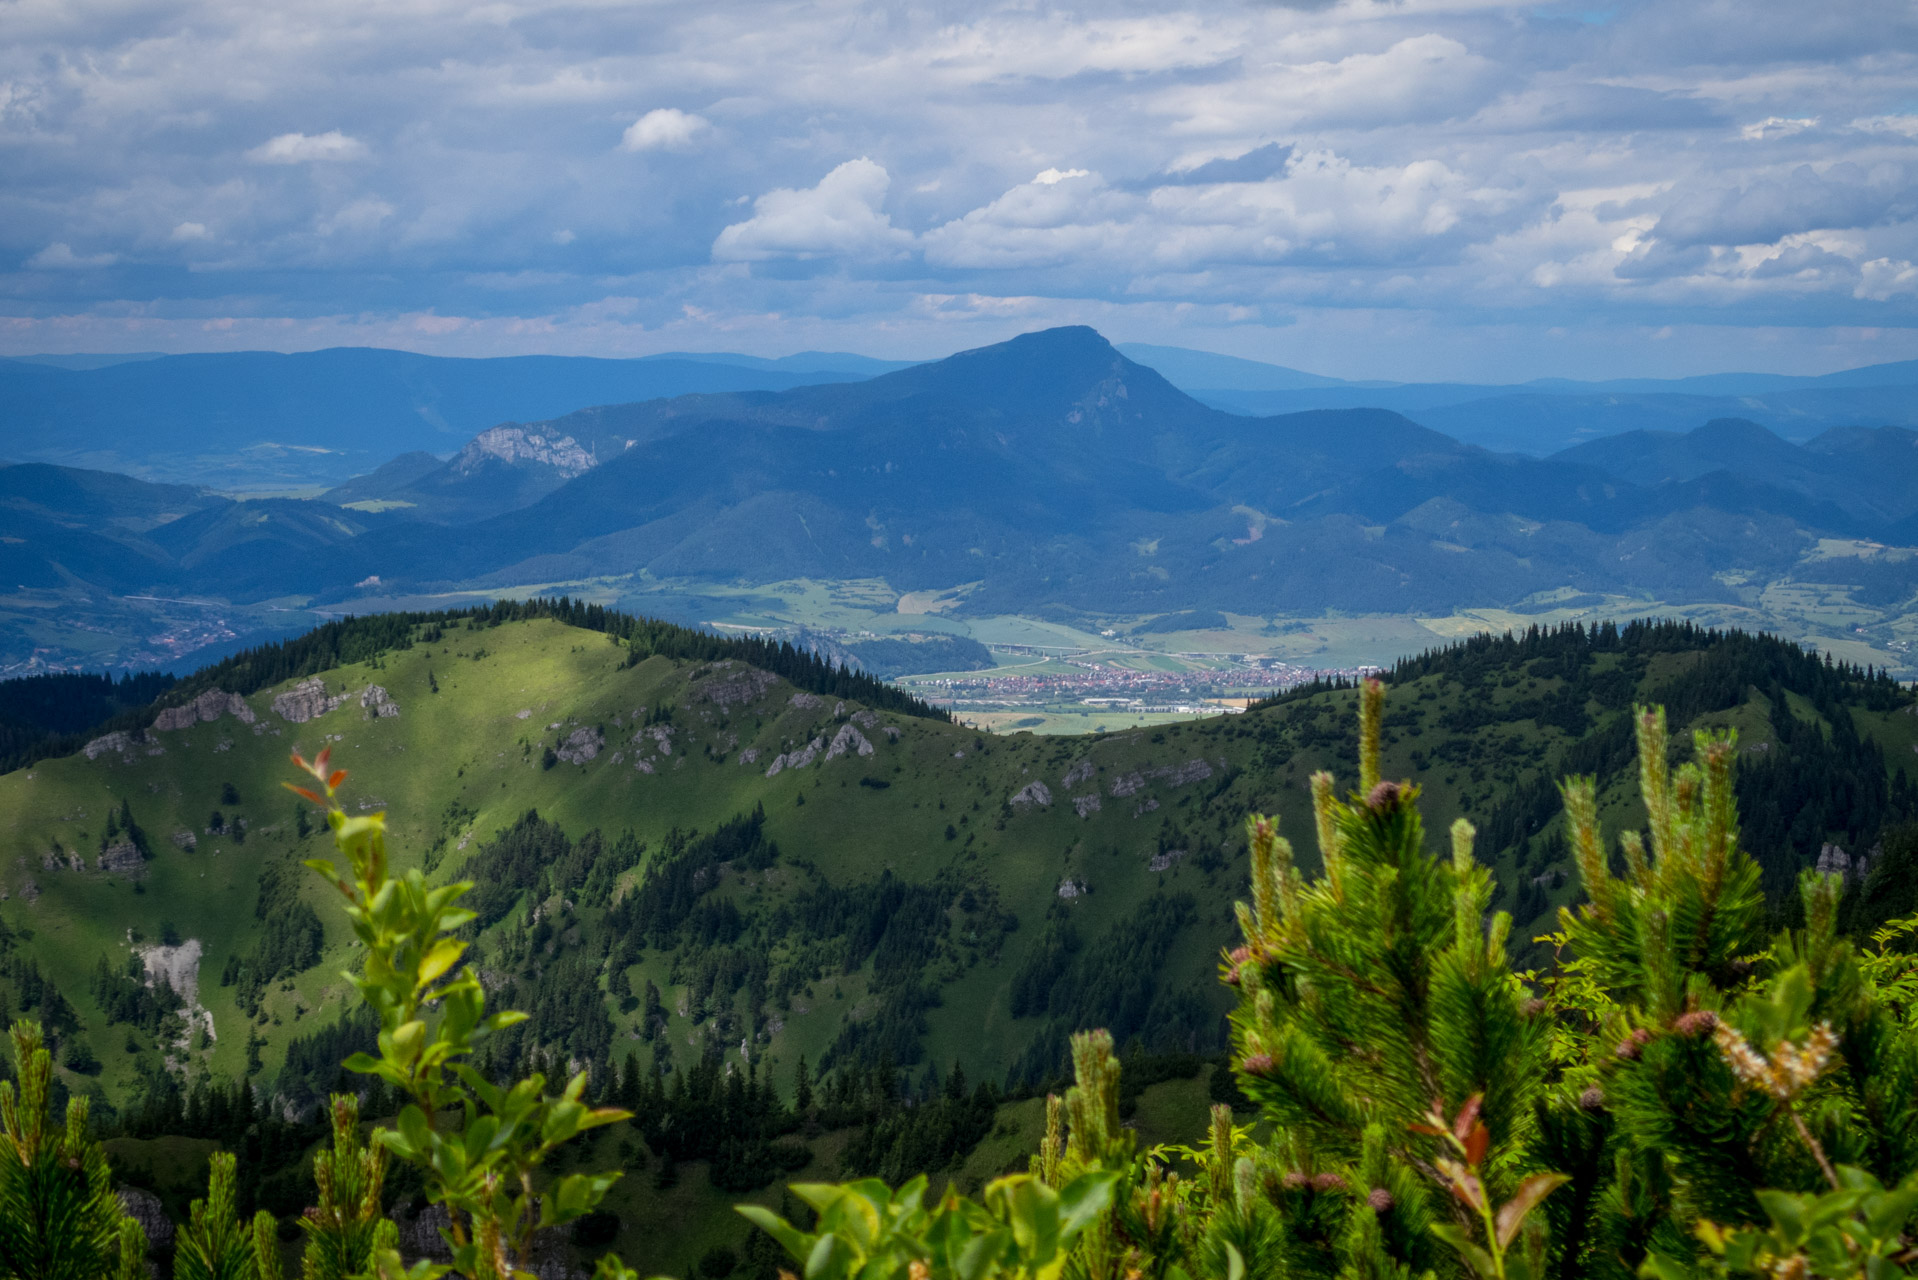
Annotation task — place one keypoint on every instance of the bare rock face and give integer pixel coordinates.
(208, 707)
(581, 745)
(1162, 861)
(796, 759)
(806, 701)
(1086, 805)
(848, 739)
(178, 967)
(1076, 774)
(749, 756)
(118, 744)
(122, 858)
(144, 1208)
(1173, 775)
(1834, 861)
(306, 701)
(378, 703)
(516, 444)
(185, 841)
(1033, 793)
(737, 687)
(1190, 771)
(1070, 889)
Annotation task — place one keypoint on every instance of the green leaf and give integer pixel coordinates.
(1512, 1215)
(977, 1259)
(1787, 1213)
(1468, 1249)
(827, 1259)
(795, 1242)
(1083, 1199)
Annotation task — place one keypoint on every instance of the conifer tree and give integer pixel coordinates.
(213, 1245)
(59, 1216)
(1380, 1024)
(346, 1229)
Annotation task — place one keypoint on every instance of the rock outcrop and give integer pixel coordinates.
(122, 858)
(516, 445)
(378, 703)
(728, 688)
(206, 708)
(581, 745)
(848, 739)
(145, 1208)
(112, 744)
(307, 700)
(1033, 793)
(796, 759)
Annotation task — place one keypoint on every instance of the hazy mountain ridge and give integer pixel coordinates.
(1049, 474)
(1061, 473)
(249, 419)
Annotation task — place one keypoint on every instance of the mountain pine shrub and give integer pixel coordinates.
(1684, 1095)
(59, 1216)
(214, 1245)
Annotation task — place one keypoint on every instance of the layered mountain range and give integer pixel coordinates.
(1047, 473)
(261, 419)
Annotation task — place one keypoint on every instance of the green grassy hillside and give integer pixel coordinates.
(897, 890)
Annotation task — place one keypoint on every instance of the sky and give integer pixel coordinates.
(1460, 189)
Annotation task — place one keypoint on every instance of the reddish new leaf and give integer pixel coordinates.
(1475, 1144)
(1466, 1118)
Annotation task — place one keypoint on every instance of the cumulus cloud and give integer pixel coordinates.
(59, 256)
(302, 148)
(664, 129)
(1771, 207)
(839, 218)
(1446, 164)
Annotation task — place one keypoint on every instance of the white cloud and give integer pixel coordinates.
(838, 218)
(1777, 127)
(1453, 159)
(1055, 218)
(362, 215)
(302, 148)
(666, 128)
(60, 256)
